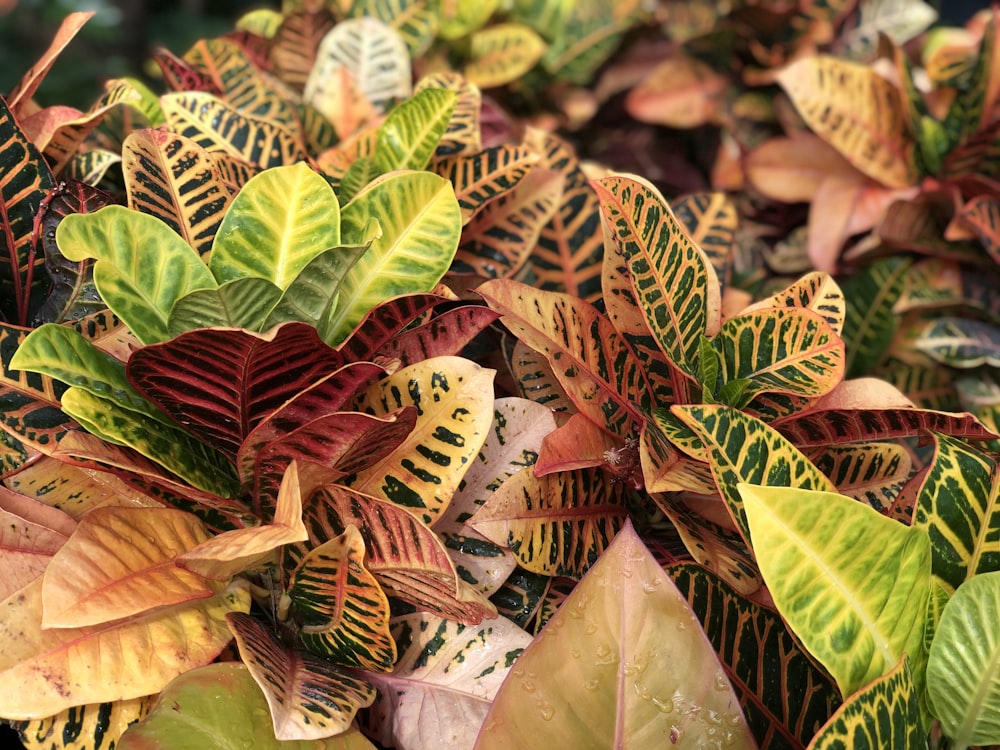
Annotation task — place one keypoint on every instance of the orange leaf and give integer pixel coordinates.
(27, 541)
(791, 170)
(120, 563)
(680, 93)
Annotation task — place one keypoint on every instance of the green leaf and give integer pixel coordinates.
(62, 353)
(240, 303)
(198, 464)
(219, 707)
(143, 267)
(961, 342)
(281, 219)
(852, 584)
(963, 681)
(870, 323)
(959, 506)
(421, 224)
(410, 134)
(885, 713)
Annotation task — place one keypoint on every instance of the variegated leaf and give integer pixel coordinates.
(463, 132)
(294, 44)
(502, 53)
(816, 291)
(872, 472)
(86, 727)
(416, 21)
(411, 132)
(558, 524)
(345, 614)
(711, 222)
(537, 381)
(309, 697)
(485, 176)
(961, 342)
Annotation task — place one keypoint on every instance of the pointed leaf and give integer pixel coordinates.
(852, 584)
(816, 291)
(25, 89)
(309, 697)
(410, 134)
(463, 132)
(601, 674)
(345, 614)
(961, 342)
(485, 176)
(446, 334)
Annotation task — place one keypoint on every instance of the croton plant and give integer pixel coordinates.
(344, 406)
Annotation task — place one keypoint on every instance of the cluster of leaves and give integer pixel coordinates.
(252, 394)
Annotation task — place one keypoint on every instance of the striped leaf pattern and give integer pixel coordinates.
(180, 75)
(220, 383)
(25, 180)
(481, 178)
(498, 240)
(219, 127)
(961, 342)
(463, 133)
(557, 524)
(959, 506)
(673, 282)
(885, 713)
(416, 21)
(293, 47)
(570, 247)
(411, 132)
(446, 334)
(870, 323)
(345, 614)
(589, 358)
(537, 381)
(241, 303)
(521, 596)
(586, 34)
(816, 291)
(384, 322)
(454, 399)
(982, 213)
(88, 727)
(856, 111)
(873, 473)
(852, 584)
(309, 697)
(783, 350)
(783, 695)
(406, 557)
(502, 53)
(421, 223)
(172, 178)
(711, 221)
(280, 220)
(744, 449)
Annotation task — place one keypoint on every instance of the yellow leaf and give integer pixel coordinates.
(43, 672)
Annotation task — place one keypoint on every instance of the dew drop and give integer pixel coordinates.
(545, 710)
(528, 685)
(664, 705)
(589, 628)
(591, 684)
(641, 690)
(675, 734)
(650, 586)
(721, 683)
(681, 625)
(574, 653)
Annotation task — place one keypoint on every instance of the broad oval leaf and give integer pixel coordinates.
(872, 472)
(121, 562)
(852, 584)
(557, 524)
(197, 711)
(421, 223)
(43, 672)
(134, 252)
(602, 674)
(444, 680)
(961, 667)
(345, 613)
(281, 219)
(858, 112)
(240, 303)
(502, 53)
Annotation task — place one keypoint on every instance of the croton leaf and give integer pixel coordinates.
(28, 539)
(870, 323)
(461, 19)
(485, 176)
(463, 134)
(961, 342)
(416, 21)
(26, 87)
(294, 44)
(961, 666)
(454, 401)
(675, 285)
(680, 92)
(587, 355)
(755, 647)
(197, 710)
(281, 219)
(444, 335)
(43, 672)
(309, 697)
(410, 134)
(816, 291)
(174, 179)
(240, 303)
(744, 449)
(711, 221)
(858, 112)
(133, 252)
(872, 472)
(601, 674)
(557, 524)
(408, 559)
(536, 381)
(345, 613)
(421, 224)
(220, 383)
(502, 53)
(83, 727)
(120, 562)
(959, 506)
(852, 584)
(885, 713)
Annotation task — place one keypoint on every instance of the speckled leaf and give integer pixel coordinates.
(310, 698)
(587, 355)
(30, 535)
(852, 584)
(872, 472)
(557, 524)
(959, 506)
(133, 252)
(345, 614)
(675, 285)
(88, 727)
(744, 449)
(885, 713)
(444, 681)
(601, 673)
(43, 672)
(757, 651)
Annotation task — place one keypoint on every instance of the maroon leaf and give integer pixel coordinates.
(383, 322)
(446, 334)
(834, 426)
(180, 75)
(219, 383)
